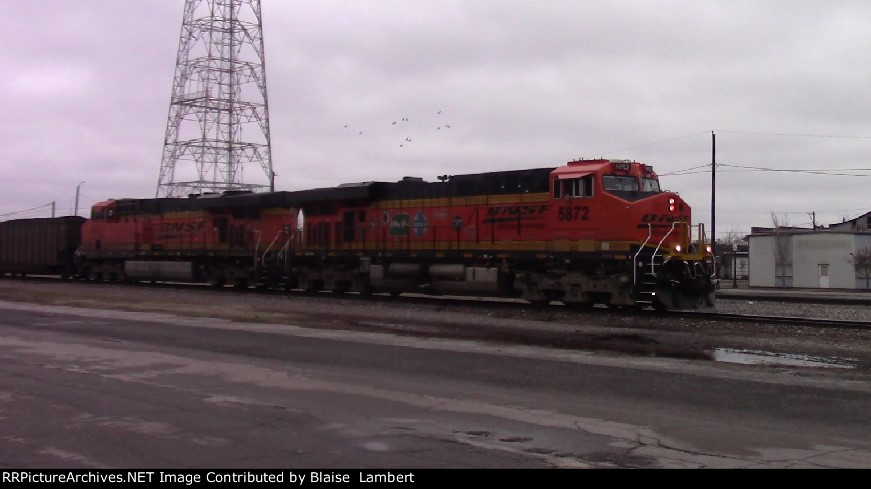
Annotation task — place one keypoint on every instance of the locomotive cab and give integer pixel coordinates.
(618, 216)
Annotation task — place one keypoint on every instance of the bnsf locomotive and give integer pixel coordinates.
(592, 231)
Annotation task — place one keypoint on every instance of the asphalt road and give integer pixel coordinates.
(112, 389)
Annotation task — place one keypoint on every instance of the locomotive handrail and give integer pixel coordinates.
(659, 245)
(635, 258)
(263, 256)
(256, 248)
(284, 252)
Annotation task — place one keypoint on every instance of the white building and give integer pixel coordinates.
(808, 258)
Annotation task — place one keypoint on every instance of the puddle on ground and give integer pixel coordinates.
(756, 357)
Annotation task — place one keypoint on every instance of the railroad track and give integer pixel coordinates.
(747, 318)
(510, 304)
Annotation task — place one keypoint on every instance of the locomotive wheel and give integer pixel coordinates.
(217, 282)
(580, 305)
(340, 287)
(311, 286)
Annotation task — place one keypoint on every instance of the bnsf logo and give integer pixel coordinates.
(661, 219)
(517, 210)
(665, 218)
(181, 227)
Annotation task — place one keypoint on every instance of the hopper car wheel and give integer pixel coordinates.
(240, 283)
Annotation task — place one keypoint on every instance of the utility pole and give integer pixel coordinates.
(77, 199)
(714, 198)
(52, 209)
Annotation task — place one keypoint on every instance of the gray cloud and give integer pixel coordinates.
(522, 84)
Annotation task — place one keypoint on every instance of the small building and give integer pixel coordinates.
(809, 258)
(859, 224)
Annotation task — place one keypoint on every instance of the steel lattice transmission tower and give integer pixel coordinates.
(219, 90)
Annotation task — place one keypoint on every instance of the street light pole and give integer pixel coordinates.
(77, 198)
(714, 201)
(734, 265)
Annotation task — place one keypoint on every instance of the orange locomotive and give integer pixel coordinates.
(219, 239)
(593, 231)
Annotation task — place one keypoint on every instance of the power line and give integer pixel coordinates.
(683, 172)
(689, 173)
(26, 210)
(794, 135)
(830, 171)
(744, 168)
(663, 141)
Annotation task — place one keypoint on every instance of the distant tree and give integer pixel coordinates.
(861, 261)
(781, 248)
(724, 249)
(729, 238)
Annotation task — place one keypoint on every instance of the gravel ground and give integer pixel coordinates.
(555, 326)
(859, 312)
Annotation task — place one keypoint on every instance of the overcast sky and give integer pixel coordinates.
(522, 84)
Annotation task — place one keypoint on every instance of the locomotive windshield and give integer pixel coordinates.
(650, 185)
(624, 184)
